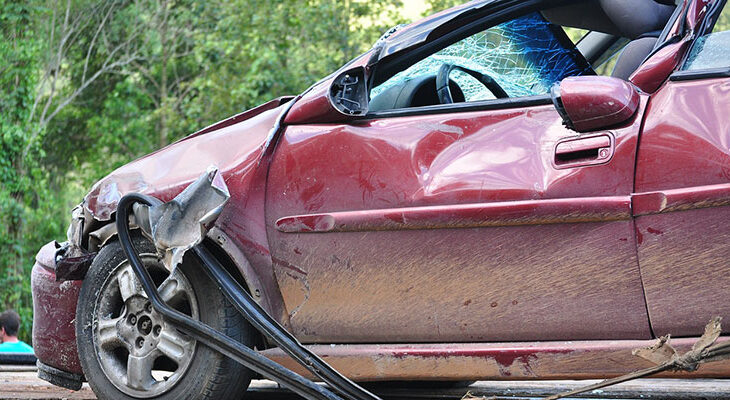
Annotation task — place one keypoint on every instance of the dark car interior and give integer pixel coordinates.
(640, 22)
(621, 34)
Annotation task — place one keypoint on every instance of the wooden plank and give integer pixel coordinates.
(664, 389)
(25, 385)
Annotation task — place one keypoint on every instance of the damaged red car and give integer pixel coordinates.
(476, 197)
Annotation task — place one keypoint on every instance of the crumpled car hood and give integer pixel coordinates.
(234, 145)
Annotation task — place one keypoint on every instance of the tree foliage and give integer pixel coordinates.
(88, 85)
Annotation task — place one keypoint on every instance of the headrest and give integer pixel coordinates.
(634, 18)
(627, 18)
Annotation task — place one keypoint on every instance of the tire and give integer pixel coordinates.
(120, 337)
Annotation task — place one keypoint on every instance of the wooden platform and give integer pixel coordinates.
(22, 383)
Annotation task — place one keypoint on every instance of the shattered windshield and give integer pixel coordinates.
(525, 56)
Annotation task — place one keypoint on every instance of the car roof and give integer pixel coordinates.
(406, 36)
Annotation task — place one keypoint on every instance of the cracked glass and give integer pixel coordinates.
(525, 56)
(712, 50)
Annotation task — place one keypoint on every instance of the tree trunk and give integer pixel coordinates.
(163, 77)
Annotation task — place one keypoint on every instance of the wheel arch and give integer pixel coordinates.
(222, 247)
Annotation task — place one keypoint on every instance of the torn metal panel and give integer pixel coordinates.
(238, 148)
(178, 225)
(234, 146)
(72, 259)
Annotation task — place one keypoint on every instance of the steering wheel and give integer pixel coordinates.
(442, 83)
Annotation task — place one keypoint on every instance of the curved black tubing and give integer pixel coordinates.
(271, 328)
(204, 333)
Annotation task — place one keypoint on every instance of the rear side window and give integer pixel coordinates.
(712, 50)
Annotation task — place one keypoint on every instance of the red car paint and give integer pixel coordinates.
(441, 228)
(269, 105)
(654, 71)
(684, 162)
(500, 361)
(54, 305)
(454, 163)
(597, 102)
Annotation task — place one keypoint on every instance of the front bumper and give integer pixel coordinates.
(54, 314)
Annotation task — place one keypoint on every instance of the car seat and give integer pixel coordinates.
(642, 22)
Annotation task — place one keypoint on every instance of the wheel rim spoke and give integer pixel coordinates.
(171, 288)
(139, 371)
(107, 336)
(128, 284)
(175, 345)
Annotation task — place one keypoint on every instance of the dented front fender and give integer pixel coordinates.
(54, 314)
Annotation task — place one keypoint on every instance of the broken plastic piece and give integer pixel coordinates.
(72, 262)
(72, 259)
(349, 93)
(180, 224)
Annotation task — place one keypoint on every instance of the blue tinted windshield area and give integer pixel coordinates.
(525, 56)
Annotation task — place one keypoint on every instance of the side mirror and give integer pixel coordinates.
(588, 103)
(335, 99)
(349, 93)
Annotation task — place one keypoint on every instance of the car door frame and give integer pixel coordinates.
(676, 212)
(296, 282)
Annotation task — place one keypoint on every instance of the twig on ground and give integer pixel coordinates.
(665, 356)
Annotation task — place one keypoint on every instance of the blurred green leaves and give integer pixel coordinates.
(89, 85)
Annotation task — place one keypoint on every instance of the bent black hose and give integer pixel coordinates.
(261, 320)
(205, 334)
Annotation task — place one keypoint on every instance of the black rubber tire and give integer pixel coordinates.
(210, 375)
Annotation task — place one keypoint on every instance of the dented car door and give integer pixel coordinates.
(482, 220)
(683, 185)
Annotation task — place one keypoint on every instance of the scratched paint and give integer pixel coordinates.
(361, 224)
(683, 204)
(54, 314)
(493, 361)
